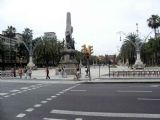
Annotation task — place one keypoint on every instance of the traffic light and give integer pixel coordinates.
(84, 49)
(90, 49)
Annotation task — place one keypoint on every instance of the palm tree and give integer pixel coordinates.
(128, 49)
(10, 32)
(154, 23)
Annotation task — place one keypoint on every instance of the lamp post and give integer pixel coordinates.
(30, 64)
(99, 59)
(109, 62)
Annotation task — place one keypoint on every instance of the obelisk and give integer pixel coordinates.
(68, 60)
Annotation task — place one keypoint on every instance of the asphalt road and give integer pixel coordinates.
(47, 101)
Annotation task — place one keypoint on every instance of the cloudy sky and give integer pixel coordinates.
(95, 22)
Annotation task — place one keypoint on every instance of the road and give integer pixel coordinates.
(54, 101)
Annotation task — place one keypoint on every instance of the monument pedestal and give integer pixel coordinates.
(68, 62)
(30, 64)
(138, 64)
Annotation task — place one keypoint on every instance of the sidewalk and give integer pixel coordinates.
(97, 76)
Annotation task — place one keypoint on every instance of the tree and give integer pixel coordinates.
(154, 23)
(128, 49)
(47, 51)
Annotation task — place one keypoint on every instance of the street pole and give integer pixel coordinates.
(88, 65)
(109, 68)
(99, 70)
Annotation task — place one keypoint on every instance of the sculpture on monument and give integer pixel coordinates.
(68, 33)
(68, 60)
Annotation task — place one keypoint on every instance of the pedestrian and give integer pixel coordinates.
(62, 72)
(77, 73)
(20, 73)
(14, 71)
(26, 72)
(47, 73)
(30, 73)
(59, 71)
(87, 72)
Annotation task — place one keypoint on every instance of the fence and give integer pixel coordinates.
(6, 74)
(136, 73)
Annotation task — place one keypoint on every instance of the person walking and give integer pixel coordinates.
(20, 73)
(47, 73)
(30, 73)
(26, 72)
(62, 71)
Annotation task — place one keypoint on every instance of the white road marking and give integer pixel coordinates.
(44, 101)
(13, 94)
(106, 114)
(3, 93)
(58, 94)
(19, 92)
(78, 90)
(30, 89)
(78, 119)
(37, 105)
(14, 90)
(29, 109)
(133, 91)
(149, 99)
(65, 90)
(49, 99)
(53, 96)
(21, 115)
(52, 119)
(61, 92)
(24, 88)
(154, 85)
(6, 96)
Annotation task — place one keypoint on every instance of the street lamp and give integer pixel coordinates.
(30, 50)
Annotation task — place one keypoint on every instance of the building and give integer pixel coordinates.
(9, 57)
(50, 35)
(111, 58)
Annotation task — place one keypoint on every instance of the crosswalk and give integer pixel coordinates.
(60, 119)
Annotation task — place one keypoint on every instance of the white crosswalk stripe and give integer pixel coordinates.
(21, 115)
(60, 119)
(29, 109)
(106, 114)
(3, 93)
(52, 119)
(37, 105)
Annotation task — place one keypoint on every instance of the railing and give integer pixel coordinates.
(136, 73)
(6, 74)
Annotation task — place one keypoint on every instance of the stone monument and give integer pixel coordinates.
(68, 61)
(138, 64)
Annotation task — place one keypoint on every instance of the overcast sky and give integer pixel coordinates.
(95, 22)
